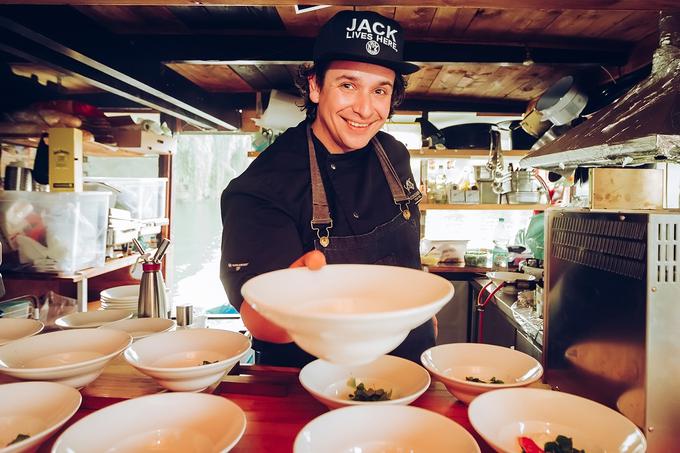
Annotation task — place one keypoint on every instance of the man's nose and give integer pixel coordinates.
(363, 105)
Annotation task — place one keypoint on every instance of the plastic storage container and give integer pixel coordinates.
(53, 232)
(143, 197)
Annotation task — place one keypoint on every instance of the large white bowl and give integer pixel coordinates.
(501, 417)
(120, 293)
(452, 363)
(169, 422)
(174, 359)
(141, 327)
(348, 313)
(328, 382)
(89, 319)
(373, 429)
(36, 409)
(15, 328)
(71, 357)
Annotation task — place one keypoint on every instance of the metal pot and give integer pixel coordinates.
(18, 178)
(563, 102)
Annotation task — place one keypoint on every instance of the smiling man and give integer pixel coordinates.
(334, 189)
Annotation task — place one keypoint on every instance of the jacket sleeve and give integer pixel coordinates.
(257, 237)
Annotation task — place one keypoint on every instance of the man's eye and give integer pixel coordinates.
(381, 91)
(347, 85)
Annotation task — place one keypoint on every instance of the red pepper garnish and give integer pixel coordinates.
(528, 445)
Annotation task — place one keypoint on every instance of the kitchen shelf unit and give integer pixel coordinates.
(445, 153)
(80, 278)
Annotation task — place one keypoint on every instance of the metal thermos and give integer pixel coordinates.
(152, 303)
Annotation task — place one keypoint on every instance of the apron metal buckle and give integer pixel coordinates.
(405, 211)
(323, 240)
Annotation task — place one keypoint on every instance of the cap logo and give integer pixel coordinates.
(373, 47)
(376, 31)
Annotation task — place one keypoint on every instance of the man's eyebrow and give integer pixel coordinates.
(352, 78)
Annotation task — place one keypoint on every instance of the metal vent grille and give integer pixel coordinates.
(665, 240)
(609, 245)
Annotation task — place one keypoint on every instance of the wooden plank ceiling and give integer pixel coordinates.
(523, 26)
(528, 26)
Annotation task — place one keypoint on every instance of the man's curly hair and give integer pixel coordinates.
(305, 71)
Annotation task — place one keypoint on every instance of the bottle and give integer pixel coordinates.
(441, 186)
(499, 255)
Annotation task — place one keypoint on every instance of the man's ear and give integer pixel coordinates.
(314, 89)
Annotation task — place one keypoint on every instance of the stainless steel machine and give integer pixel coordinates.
(612, 314)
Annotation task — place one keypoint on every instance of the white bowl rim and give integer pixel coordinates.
(354, 317)
(209, 366)
(60, 321)
(417, 393)
(413, 409)
(53, 427)
(38, 324)
(243, 421)
(483, 397)
(480, 384)
(68, 366)
(113, 324)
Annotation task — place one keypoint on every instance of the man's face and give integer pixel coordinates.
(353, 104)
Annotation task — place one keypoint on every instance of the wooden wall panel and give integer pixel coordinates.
(415, 21)
(421, 81)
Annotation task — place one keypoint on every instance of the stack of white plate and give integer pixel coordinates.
(120, 298)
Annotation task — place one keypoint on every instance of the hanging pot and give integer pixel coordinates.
(563, 102)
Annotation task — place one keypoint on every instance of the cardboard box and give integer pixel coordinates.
(65, 159)
(626, 188)
(145, 141)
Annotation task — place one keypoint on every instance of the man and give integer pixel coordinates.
(334, 189)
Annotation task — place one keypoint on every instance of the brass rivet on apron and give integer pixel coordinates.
(406, 214)
(324, 241)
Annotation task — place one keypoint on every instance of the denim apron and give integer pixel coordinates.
(394, 243)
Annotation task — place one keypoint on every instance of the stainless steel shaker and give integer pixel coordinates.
(152, 301)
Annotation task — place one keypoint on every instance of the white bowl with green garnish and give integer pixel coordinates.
(31, 411)
(470, 369)
(502, 417)
(349, 314)
(372, 429)
(188, 360)
(166, 422)
(388, 380)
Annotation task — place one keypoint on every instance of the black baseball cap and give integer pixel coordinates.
(363, 36)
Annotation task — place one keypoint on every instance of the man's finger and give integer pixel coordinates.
(313, 260)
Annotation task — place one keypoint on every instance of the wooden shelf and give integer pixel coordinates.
(89, 148)
(109, 266)
(484, 207)
(446, 153)
(462, 153)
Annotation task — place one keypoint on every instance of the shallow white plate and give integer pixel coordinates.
(328, 382)
(89, 319)
(378, 429)
(452, 363)
(36, 409)
(349, 314)
(126, 292)
(15, 328)
(141, 327)
(168, 422)
(502, 416)
(175, 359)
(508, 277)
(72, 357)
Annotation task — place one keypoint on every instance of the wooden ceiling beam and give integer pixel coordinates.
(612, 5)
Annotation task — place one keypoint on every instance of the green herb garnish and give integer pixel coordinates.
(19, 438)
(493, 380)
(361, 393)
(562, 444)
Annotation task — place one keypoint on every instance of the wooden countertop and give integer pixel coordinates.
(276, 405)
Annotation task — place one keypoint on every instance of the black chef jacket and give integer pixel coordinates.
(266, 212)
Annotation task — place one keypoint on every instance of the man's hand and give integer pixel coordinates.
(262, 328)
(435, 324)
